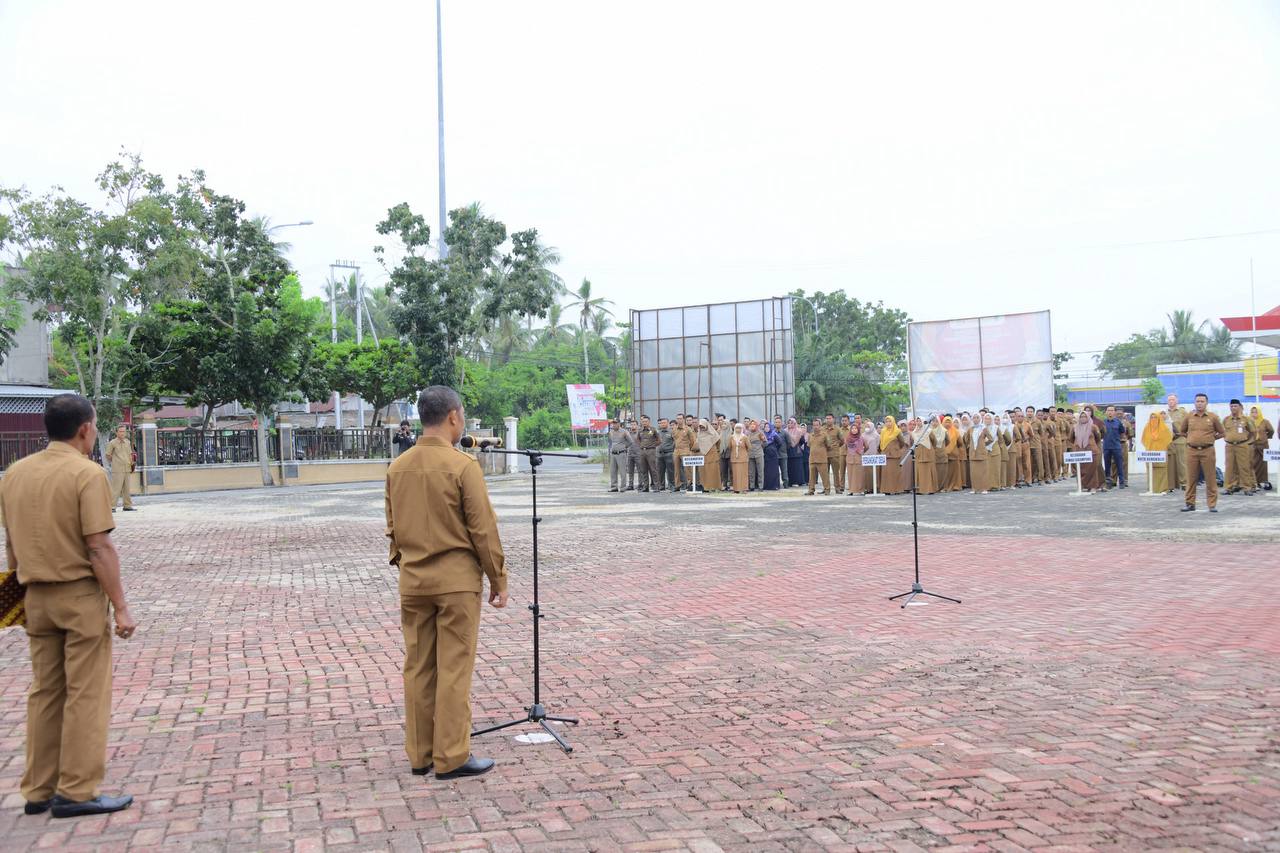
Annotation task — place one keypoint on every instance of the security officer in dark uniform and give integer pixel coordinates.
(648, 440)
(666, 457)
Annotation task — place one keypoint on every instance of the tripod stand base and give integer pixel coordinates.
(917, 589)
(537, 714)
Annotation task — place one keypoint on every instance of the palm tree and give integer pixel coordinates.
(507, 336)
(588, 306)
(545, 258)
(555, 331)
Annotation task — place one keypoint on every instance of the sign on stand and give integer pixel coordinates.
(874, 461)
(1271, 455)
(1149, 458)
(1078, 458)
(689, 463)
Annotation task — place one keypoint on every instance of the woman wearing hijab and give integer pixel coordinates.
(938, 448)
(925, 469)
(1009, 451)
(966, 447)
(1085, 437)
(854, 446)
(1158, 436)
(708, 441)
(1263, 432)
(772, 449)
(871, 446)
(739, 450)
(980, 439)
(893, 445)
(955, 456)
(797, 464)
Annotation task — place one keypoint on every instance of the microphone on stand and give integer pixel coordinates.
(482, 442)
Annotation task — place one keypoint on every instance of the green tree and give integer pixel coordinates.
(1152, 390)
(857, 361)
(95, 272)
(439, 298)
(1184, 342)
(379, 373)
(588, 306)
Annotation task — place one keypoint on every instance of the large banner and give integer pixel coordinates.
(586, 407)
(997, 362)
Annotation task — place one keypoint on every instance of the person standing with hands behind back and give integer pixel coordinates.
(444, 539)
(57, 519)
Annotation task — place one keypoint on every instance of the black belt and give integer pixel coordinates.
(1200, 446)
(616, 452)
(1238, 443)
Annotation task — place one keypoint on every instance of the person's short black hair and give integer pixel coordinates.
(435, 404)
(405, 423)
(1202, 394)
(645, 418)
(1235, 402)
(64, 414)
(831, 414)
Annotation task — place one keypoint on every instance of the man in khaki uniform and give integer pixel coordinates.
(842, 452)
(1240, 435)
(1201, 428)
(57, 518)
(648, 440)
(682, 437)
(1034, 431)
(1177, 459)
(1263, 432)
(819, 457)
(120, 461)
(444, 539)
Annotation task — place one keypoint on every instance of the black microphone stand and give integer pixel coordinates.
(535, 712)
(916, 588)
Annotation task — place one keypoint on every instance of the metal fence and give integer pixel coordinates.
(207, 447)
(15, 445)
(327, 444)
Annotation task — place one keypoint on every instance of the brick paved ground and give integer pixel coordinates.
(1110, 681)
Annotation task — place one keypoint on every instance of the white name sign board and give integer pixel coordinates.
(694, 461)
(1075, 456)
(871, 461)
(1271, 455)
(1154, 457)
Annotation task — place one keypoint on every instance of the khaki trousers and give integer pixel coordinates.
(837, 470)
(1024, 464)
(121, 487)
(1178, 464)
(1239, 474)
(440, 653)
(1037, 470)
(816, 470)
(1202, 461)
(69, 705)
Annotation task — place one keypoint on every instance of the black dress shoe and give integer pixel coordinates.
(37, 806)
(473, 767)
(1188, 509)
(1213, 509)
(130, 509)
(421, 771)
(100, 804)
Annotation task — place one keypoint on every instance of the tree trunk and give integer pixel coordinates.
(263, 455)
(586, 371)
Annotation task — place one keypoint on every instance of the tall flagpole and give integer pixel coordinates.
(444, 250)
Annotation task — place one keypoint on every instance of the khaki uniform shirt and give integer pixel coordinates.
(648, 438)
(1262, 433)
(683, 438)
(1202, 430)
(1176, 417)
(443, 531)
(51, 501)
(820, 446)
(119, 455)
(1239, 430)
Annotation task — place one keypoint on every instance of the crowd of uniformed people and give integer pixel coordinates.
(975, 452)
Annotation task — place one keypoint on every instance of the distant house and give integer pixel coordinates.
(24, 375)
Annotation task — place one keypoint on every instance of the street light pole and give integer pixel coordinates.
(290, 225)
(444, 250)
(811, 308)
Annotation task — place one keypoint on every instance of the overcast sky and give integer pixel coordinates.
(952, 159)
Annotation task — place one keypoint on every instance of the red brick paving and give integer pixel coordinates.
(739, 688)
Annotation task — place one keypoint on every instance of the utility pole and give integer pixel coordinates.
(444, 250)
(333, 327)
